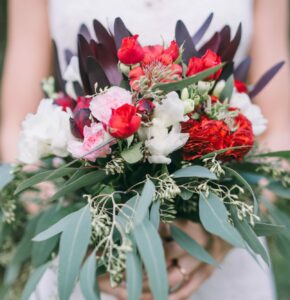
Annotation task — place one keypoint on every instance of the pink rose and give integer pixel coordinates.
(101, 106)
(94, 136)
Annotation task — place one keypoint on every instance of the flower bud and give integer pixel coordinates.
(125, 69)
(184, 94)
(218, 88)
(188, 106)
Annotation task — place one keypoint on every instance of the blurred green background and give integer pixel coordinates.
(281, 266)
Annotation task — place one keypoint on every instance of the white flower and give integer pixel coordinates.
(251, 111)
(46, 132)
(71, 75)
(219, 88)
(162, 142)
(171, 110)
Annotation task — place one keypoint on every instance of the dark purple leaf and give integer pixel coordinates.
(96, 74)
(242, 70)
(227, 71)
(120, 31)
(84, 31)
(79, 121)
(213, 44)
(231, 50)
(265, 79)
(84, 51)
(183, 37)
(78, 89)
(104, 37)
(68, 55)
(60, 84)
(225, 36)
(202, 30)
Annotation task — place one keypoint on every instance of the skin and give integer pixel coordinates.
(28, 60)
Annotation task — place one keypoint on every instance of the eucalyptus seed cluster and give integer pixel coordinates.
(115, 166)
(8, 207)
(277, 172)
(214, 165)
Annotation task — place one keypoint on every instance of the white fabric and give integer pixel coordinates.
(239, 277)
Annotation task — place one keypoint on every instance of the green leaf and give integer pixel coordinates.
(228, 89)
(43, 176)
(249, 236)
(88, 281)
(144, 201)
(214, 218)
(5, 175)
(152, 253)
(221, 151)
(73, 246)
(265, 229)
(179, 85)
(85, 180)
(133, 154)
(191, 246)
(247, 185)
(278, 189)
(134, 274)
(33, 281)
(155, 214)
(194, 171)
(42, 250)
(185, 194)
(280, 154)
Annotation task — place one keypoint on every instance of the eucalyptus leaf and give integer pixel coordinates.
(134, 274)
(6, 175)
(74, 243)
(155, 214)
(33, 281)
(191, 246)
(133, 154)
(278, 189)
(151, 250)
(280, 154)
(88, 282)
(181, 84)
(265, 229)
(85, 180)
(249, 236)
(214, 217)
(144, 201)
(194, 171)
(43, 176)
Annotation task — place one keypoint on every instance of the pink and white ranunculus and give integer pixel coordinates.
(94, 136)
(44, 133)
(101, 106)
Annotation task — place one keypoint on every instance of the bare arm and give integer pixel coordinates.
(27, 62)
(269, 46)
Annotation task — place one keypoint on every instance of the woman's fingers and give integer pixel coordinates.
(119, 292)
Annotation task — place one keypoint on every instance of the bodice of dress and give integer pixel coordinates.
(153, 20)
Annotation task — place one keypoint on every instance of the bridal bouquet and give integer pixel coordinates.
(132, 137)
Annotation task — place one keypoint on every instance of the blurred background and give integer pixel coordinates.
(281, 266)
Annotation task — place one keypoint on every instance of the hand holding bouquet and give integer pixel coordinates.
(135, 137)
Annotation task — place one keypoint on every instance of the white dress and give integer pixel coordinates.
(239, 277)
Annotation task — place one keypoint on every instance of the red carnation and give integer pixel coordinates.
(208, 60)
(241, 86)
(206, 136)
(130, 51)
(172, 51)
(124, 121)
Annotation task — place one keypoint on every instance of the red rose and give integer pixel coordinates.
(65, 102)
(130, 51)
(124, 121)
(241, 86)
(208, 60)
(172, 50)
(206, 136)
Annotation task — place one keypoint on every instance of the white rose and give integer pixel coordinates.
(44, 133)
(251, 111)
(162, 142)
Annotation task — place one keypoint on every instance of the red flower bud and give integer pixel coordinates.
(82, 102)
(124, 121)
(79, 121)
(241, 86)
(208, 60)
(130, 51)
(145, 107)
(65, 102)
